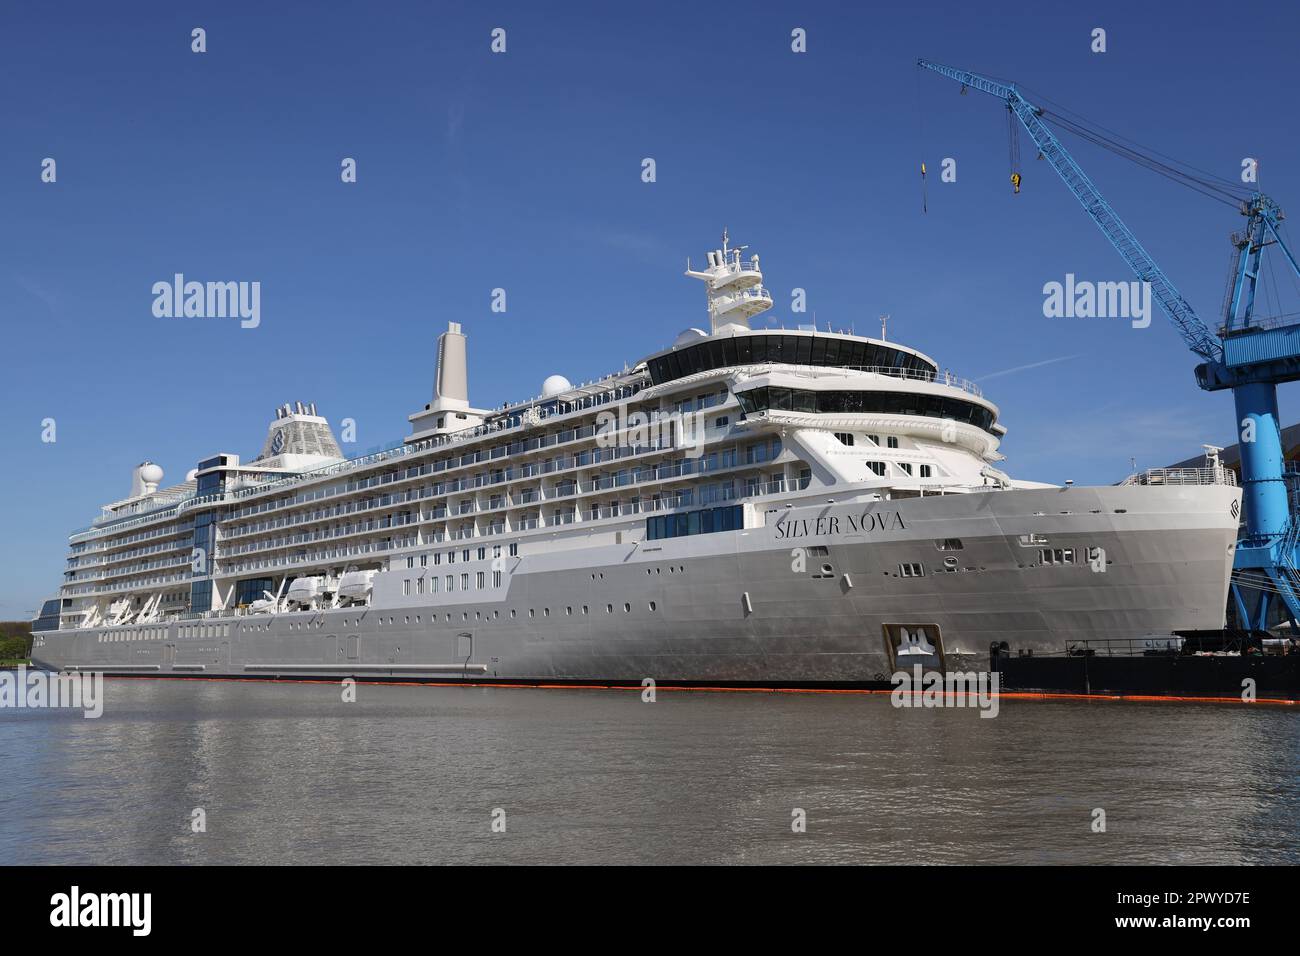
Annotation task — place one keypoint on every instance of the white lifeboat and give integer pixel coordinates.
(306, 591)
(355, 586)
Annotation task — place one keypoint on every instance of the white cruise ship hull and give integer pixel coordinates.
(762, 606)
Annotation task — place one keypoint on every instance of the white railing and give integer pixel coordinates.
(1183, 476)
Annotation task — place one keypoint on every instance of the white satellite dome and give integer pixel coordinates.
(150, 473)
(555, 385)
(688, 336)
(192, 474)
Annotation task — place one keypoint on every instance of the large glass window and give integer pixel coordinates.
(705, 521)
(892, 403)
(787, 348)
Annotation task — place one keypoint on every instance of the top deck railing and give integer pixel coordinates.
(1184, 476)
(906, 374)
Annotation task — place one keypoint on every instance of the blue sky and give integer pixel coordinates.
(522, 171)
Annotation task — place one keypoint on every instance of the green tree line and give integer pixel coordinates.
(15, 640)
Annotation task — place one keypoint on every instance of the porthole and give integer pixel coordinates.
(627, 608)
(652, 605)
(609, 609)
(568, 611)
(512, 613)
(531, 613)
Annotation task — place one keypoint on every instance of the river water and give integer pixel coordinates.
(290, 773)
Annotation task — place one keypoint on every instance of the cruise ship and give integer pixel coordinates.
(751, 506)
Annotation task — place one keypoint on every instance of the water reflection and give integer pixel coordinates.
(291, 774)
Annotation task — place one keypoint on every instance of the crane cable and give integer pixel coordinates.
(1013, 146)
(925, 199)
(1211, 185)
(1229, 196)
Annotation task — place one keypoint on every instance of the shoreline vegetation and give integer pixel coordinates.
(15, 644)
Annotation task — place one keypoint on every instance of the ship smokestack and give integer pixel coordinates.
(451, 384)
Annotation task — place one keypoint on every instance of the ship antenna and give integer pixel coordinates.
(884, 321)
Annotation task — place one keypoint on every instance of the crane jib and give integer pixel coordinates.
(1193, 331)
(1251, 358)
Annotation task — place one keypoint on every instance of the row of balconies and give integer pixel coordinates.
(113, 543)
(124, 586)
(180, 544)
(526, 523)
(641, 475)
(467, 460)
(141, 568)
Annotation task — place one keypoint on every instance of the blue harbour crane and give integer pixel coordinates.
(1250, 355)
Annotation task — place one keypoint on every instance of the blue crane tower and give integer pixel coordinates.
(1251, 357)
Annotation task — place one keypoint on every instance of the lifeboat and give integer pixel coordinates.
(305, 592)
(355, 586)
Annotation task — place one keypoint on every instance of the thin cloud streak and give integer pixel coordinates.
(1025, 368)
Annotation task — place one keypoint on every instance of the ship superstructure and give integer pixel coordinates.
(771, 505)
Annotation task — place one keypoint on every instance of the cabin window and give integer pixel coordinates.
(892, 441)
(1057, 555)
(926, 471)
(844, 438)
(911, 570)
(949, 544)
(878, 467)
